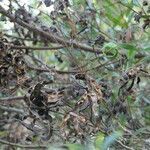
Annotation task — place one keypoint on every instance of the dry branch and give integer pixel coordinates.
(49, 36)
(23, 146)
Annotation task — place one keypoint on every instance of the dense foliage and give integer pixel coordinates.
(74, 74)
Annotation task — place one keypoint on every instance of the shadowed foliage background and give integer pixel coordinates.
(74, 74)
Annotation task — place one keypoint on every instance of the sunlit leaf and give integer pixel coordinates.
(109, 140)
(75, 147)
(99, 141)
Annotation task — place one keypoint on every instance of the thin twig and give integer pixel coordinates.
(48, 70)
(50, 36)
(12, 98)
(22, 146)
(36, 48)
(126, 147)
(20, 38)
(11, 109)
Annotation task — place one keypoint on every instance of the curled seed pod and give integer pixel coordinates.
(80, 76)
(2, 46)
(48, 3)
(100, 40)
(137, 17)
(8, 58)
(146, 24)
(58, 57)
(145, 3)
(125, 76)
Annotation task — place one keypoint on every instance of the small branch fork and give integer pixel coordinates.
(53, 38)
(49, 36)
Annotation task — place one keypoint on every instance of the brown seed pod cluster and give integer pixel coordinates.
(132, 75)
(12, 64)
(143, 15)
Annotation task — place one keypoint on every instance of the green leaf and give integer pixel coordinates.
(102, 142)
(131, 51)
(114, 15)
(99, 140)
(146, 48)
(109, 140)
(67, 147)
(128, 47)
(111, 47)
(75, 146)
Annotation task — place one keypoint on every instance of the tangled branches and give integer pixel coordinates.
(80, 82)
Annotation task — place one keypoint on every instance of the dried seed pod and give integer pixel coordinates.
(145, 3)
(80, 76)
(137, 17)
(48, 3)
(100, 40)
(8, 58)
